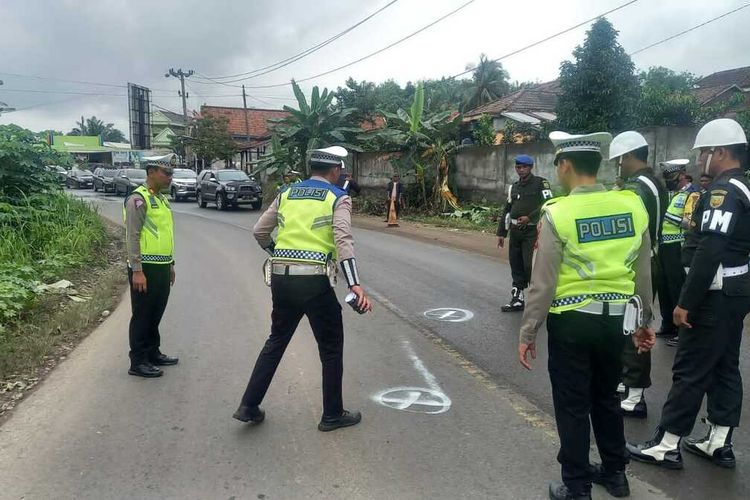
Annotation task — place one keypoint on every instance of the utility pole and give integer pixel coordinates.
(182, 75)
(245, 156)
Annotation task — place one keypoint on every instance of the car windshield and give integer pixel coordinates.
(181, 173)
(232, 175)
(135, 173)
(82, 173)
(107, 173)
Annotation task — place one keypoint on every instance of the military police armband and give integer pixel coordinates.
(349, 266)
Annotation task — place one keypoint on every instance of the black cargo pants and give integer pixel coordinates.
(148, 308)
(521, 253)
(670, 280)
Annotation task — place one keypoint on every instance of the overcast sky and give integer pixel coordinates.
(118, 41)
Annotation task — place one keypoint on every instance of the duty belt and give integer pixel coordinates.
(596, 307)
(299, 269)
(724, 272)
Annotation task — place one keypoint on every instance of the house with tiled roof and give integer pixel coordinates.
(164, 126)
(532, 106)
(731, 86)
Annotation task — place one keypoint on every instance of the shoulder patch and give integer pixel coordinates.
(717, 198)
(138, 201)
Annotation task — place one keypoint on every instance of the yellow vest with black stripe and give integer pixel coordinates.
(601, 234)
(157, 234)
(305, 221)
(671, 228)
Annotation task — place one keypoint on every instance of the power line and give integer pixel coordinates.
(433, 23)
(280, 64)
(79, 82)
(559, 33)
(689, 29)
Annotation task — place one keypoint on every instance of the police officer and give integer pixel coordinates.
(519, 220)
(630, 149)
(593, 255)
(671, 273)
(149, 233)
(314, 222)
(712, 306)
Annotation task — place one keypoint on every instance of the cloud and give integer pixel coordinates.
(119, 41)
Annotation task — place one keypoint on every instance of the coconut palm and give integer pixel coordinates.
(489, 82)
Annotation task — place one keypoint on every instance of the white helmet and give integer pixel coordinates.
(625, 143)
(721, 132)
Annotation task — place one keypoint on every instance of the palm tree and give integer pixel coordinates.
(489, 82)
(94, 126)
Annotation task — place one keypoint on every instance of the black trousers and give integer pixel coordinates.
(294, 297)
(584, 368)
(520, 254)
(636, 368)
(670, 279)
(148, 308)
(707, 363)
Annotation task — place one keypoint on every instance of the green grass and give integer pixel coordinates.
(453, 222)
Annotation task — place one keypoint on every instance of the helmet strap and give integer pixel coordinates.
(619, 167)
(708, 162)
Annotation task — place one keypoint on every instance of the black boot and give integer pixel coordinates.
(558, 491)
(346, 419)
(516, 301)
(634, 403)
(715, 446)
(663, 450)
(145, 370)
(615, 482)
(164, 360)
(249, 414)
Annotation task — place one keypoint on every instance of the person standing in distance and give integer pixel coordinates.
(630, 149)
(519, 220)
(149, 231)
(711, 309)
(592, 256)
(314, 222)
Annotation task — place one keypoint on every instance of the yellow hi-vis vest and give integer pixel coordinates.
(601, 234)
(305, 221)
(671, 227)
(157, 234)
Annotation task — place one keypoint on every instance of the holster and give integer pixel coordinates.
(633, 318)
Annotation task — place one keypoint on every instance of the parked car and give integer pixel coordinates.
(127, 179)
(104, 179)
(183, 184)
(79, 179)
(60, 173)
(228, 188)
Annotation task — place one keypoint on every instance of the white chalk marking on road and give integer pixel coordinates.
(451, 314)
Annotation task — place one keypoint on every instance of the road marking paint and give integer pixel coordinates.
(414, 400)
(450, 314)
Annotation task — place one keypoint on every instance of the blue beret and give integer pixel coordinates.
(525, 160)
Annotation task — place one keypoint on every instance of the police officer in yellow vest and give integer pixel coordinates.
(314, 222)
(593, 255)
(150, 248)
(671, 273)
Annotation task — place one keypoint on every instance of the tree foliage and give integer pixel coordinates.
(600, 90)
(23, 157)
(489, 82)
(667, 98)
(210, 138)
(95, 126)
(484, 133)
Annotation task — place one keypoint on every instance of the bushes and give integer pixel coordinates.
(41, 239)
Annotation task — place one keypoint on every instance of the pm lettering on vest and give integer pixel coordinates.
(307, 193)
(608, 227)
(716, 221)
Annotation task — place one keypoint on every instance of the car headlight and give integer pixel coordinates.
(231, 188)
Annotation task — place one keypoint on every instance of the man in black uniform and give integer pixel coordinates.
(631, 151)
(519, 219)
(713, 304)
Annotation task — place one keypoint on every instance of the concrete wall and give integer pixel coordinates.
(484, 172)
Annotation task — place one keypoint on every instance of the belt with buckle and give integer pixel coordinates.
(596, 307)
(299, 269)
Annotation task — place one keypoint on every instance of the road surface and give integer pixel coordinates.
(447, 411)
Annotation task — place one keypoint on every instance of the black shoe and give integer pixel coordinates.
(666, 332)
(164, 360)
(249, 414)
(673, 341)
(558, 491)
(640, 410)
(722, 456)
(671, 458)
(616, 483)
(513, 306)
(346, 419)
(146, 370)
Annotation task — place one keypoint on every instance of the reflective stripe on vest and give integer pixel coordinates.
(305, 220)
(601, 234)
(157, 234)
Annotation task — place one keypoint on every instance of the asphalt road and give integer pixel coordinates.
(91, 431)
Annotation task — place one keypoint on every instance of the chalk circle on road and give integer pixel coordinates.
(414, 400)
(451, 314)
